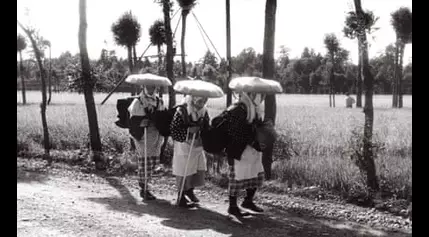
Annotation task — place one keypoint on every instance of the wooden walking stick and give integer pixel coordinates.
(145, 163)
(186, 169)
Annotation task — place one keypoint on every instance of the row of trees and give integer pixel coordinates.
(311, 73)
(308, 74)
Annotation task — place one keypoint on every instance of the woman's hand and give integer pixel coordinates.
(194, 129)
(197, 142)
(144, 123)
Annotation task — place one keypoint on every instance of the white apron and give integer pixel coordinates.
(250, 164)
(197, 160)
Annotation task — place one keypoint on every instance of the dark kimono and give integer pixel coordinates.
(243, 152)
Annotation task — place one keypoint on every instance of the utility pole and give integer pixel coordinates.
(228, 55)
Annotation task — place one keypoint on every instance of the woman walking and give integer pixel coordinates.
(187, 122)
(189, 161)
(247, 137)
(141, 111)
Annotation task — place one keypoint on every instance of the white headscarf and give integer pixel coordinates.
(137, 107)
(196, 114)
(148, 100)
(253, 107)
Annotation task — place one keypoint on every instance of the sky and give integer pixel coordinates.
(299, 24)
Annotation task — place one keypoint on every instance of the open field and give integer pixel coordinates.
(318, 137)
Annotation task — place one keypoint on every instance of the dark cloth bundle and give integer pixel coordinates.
(265, 134)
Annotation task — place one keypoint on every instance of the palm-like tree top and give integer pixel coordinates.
(402, 21)
(157, 33)
(21, 44)
(126, 30)
(353, 27)
(331, 43)
(187, 3)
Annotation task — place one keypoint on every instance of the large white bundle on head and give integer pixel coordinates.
(255, 84)
(198, 88)
(148, 79)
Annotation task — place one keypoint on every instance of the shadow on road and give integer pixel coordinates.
(274, 222)
(28, 176)
(212, 216)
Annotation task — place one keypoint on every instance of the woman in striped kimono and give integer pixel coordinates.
(141, 110)
(189, 120)
(243, 152)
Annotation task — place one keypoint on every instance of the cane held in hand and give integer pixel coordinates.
(186, 168)
(147, 79)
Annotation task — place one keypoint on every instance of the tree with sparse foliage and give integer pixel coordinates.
(46, 144)
(352, 30)
(21, 45)
(383, 66)
(402, 21)
(366, 159)
(157, 37)
(332, 45)
(169, 63)
(186, 6)
(126, 33)
(47, 43)
(210, 59)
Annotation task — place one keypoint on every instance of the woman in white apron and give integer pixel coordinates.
(143, 107)
(184, 125)
(243, 152)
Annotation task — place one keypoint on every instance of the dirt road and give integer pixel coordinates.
(65, 202)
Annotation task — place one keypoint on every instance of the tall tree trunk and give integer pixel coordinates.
(268, 67)
(159, 59)
(88, 82)
(134, 56)
(395, 76)
(169, 56)
(368, 155)
(359, 79)
(182, 43)
(46, 143)
(332, 80)
(50, 76)
(133, 88)
(160, 72)
(228, 54)
(135, 68)
(58, 83)
(399, 91)
(333, 93)
(130, 67)
(21, 69)
(169, 66)
(330, 88)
